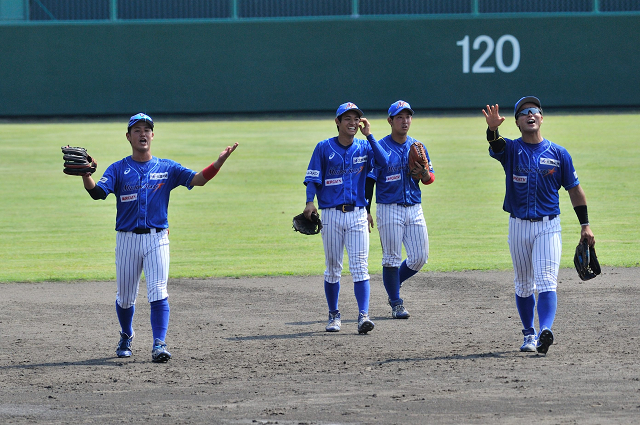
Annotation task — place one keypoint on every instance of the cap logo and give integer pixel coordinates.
(140, 117)
(350, 105)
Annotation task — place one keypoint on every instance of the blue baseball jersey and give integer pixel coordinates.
(340, 172)
(142, 190)
(534, 175)
(394, 185)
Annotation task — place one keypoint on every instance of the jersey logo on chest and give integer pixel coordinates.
(159, 176)
(549, 161)
(129, 198)
(333, 182)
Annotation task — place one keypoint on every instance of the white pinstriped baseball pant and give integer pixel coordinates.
(350, 230)
(536, 247)
(399, 225)
(135, 254)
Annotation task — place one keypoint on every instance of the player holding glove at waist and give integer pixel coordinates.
(336, 175)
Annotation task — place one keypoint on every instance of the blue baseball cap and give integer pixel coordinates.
(140, 117)
(399, 106)
(349, 106)
(526, 99)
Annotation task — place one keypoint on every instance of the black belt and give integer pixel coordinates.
(551, 217)
(345, 208)
(405, 205)
(144, 231)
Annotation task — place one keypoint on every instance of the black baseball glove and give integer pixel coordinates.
(305, 226)
(77, 161)
(586, 261)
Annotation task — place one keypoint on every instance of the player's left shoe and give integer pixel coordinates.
(364, 323)
(399, 312)
(545, 339)
(159, 354)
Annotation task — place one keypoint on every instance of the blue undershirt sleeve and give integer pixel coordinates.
(311, 191)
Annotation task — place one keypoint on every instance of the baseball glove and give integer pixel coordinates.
(77, 161)
(418, 154)
(586, 261)
(305, 226)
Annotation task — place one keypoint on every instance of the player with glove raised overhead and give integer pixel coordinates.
(535, 170)
(142, 184)
(399, 205)
(336, 176)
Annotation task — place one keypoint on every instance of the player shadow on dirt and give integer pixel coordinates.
(281, 336)
(497, 355)
(104, 361)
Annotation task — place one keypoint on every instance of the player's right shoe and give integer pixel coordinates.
(529, 344)
(124, 346)
(545, 339)
(364, 323)
(399, 312)
(159, 354)
(334, 322)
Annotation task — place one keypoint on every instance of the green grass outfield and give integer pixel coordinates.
(240, 223)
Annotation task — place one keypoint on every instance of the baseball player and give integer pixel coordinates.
(535, 169)
(336, 175)
(399, 208)
(142, 184)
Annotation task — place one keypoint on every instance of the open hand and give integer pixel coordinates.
(492, 114)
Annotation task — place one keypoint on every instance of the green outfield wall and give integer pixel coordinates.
(207, 67)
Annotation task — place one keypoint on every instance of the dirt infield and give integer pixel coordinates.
(254, 351)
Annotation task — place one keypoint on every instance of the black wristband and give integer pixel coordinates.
(492, 135)
(583, 215)
(498, 145)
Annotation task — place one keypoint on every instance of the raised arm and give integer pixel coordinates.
(380, 156)
(209, 172)
(492, 115)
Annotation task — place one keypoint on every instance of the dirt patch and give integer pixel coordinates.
(255, 351)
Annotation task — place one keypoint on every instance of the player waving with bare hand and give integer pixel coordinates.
(535, 170)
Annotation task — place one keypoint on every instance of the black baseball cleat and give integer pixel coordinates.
(159, 354)
(124, 346)
(545, 339)
(364, 323)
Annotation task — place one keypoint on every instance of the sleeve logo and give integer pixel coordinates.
(313, 173)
